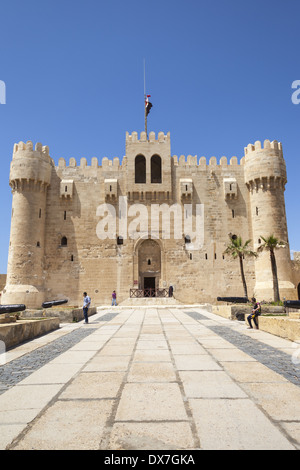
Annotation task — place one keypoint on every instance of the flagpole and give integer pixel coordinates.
(145, 99)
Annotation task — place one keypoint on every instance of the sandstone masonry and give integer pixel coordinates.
(55, 250)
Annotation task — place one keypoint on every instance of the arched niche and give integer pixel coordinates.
(140, 169)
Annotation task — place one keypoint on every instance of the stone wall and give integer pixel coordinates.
(62, 249)
(2, 281)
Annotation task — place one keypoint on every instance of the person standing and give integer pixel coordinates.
(114, 298)
(86, 304)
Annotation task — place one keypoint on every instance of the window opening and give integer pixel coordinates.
(155, 169)
(140, 169)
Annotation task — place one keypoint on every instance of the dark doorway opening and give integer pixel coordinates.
(149, 286)
(299, 291)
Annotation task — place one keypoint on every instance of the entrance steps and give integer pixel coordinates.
(150, 301)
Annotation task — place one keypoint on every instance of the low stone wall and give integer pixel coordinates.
(281, 326)
(240, 311)
(65, 315)
(13, 334)
(231, 311)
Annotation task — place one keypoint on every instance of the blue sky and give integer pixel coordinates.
(219, 73)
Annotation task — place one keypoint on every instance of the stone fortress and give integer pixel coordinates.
(55, 251)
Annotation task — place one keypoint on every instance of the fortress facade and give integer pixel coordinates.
(121, 225)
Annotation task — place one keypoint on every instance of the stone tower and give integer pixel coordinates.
(30, 175)
(265, 177)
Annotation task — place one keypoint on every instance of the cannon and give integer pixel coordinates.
(12, 308)
(53, 303)
(234, 300)
(292, 304)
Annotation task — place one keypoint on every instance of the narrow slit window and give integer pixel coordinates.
(119, 240)
(65, 215)
(40, 213)
(233, 213)
(64, 241)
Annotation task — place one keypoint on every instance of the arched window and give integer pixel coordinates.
(64, 241)
(155, 169)
(140, 169)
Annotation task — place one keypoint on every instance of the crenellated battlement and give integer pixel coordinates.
(190, 160)
(30, 164)
(267, 145)
(133, 137)
(117, 164)
(22, 146)
(264, 164)
(113, 164)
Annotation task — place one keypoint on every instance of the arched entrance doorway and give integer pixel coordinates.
(149, 266)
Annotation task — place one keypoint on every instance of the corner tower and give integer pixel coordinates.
(30, 175)
(265, 177)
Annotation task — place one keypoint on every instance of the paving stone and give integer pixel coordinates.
(210, 384)
(165, 402)
(68, 425)
(145, 436)
(235, 425)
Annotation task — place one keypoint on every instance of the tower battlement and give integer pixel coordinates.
(29, 164)
(275, 145)
(22, 146)
(133, 137)
(264, 165)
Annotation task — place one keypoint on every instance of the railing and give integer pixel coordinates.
(139, 293)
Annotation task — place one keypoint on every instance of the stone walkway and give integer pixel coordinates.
(152, 379)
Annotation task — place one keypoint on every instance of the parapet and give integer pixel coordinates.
(191, 160)
(113, 164)
(21, 146)
(275, 145)
(161, 137)
(264, 165)
(30, 164)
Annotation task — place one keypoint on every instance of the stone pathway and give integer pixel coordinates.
(152, 378)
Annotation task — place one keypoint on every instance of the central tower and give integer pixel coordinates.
(149, 167)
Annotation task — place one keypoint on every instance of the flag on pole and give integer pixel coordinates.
(148, 105)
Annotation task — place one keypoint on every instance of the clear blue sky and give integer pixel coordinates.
(219, 73)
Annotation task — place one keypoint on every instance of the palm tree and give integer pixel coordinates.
(270, 244)
(237, 249)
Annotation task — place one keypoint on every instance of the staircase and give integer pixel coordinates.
(149, 302)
